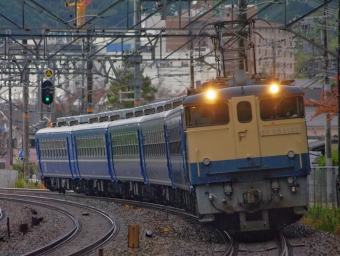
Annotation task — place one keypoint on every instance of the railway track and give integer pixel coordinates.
(165, 208)
(81, 239)
(278, 246)
(55, 248)
(270, 243)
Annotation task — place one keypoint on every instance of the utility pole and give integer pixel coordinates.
(327, 88)
(39, 82)
(274, 54)
(137, 76)
(338, 77)
(25, 82)
(10, 142)
(81, 104)
(89, 73)
(242, 53)
(10, 114)
(191, 48)
(328, 150)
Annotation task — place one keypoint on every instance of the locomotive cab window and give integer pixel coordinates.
(207, 115)
(244, 114)
(282, 108)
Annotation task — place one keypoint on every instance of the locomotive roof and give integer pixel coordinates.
(239, 91)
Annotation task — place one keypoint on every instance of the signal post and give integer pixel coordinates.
(47, 90)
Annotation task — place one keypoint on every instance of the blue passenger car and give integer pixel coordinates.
(91, 147)
(154, 149)
(176, 149)
(125, 158)
(55, 154)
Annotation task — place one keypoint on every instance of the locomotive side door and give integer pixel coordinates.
(246, 132)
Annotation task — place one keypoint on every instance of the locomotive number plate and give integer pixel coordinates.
(280, 131)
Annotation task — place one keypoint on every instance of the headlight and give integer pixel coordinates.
(274, 88)
(291, 154)
(206, 161)
(290, 180)
(211, 94)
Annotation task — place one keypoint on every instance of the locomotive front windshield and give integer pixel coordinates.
(282, 108)
(207, 114)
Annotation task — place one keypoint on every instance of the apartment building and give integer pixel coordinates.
(274, 51)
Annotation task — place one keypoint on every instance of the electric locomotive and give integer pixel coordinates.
(248, 155)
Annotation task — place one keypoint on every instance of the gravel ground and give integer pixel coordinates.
(171, 235)
(50, 228)
(316, 242)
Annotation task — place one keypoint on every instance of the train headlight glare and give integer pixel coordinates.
(291, 154)
(274, 88)
(206, 161)
(211, 94)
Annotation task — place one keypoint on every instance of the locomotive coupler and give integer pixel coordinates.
(252, 196)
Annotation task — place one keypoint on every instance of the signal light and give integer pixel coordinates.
(47, 91)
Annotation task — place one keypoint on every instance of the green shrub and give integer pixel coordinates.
(20, 183)
(32, 167)
(322, 159)
(323, 218)
(19, 167)
(33, 185)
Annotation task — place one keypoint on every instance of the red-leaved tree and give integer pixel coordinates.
(328, 104)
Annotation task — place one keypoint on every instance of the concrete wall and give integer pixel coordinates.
(8, 178)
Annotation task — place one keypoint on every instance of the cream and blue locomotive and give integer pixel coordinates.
(247, 154)
(236, 154)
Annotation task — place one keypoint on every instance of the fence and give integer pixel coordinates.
(322, 186)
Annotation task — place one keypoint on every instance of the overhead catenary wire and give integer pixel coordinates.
(190, 7)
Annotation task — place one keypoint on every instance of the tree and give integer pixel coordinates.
(113, 97)
(4, 135)
(33, 168)
(65, 105)
(328, 104)
(99, 97)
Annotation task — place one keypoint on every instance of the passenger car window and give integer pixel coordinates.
(207, 115)
(244, 114)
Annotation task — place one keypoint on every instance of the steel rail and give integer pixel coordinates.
(55, 243)
(284, 246)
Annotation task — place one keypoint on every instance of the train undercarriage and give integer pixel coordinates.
(244, 221)
(126, 190)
